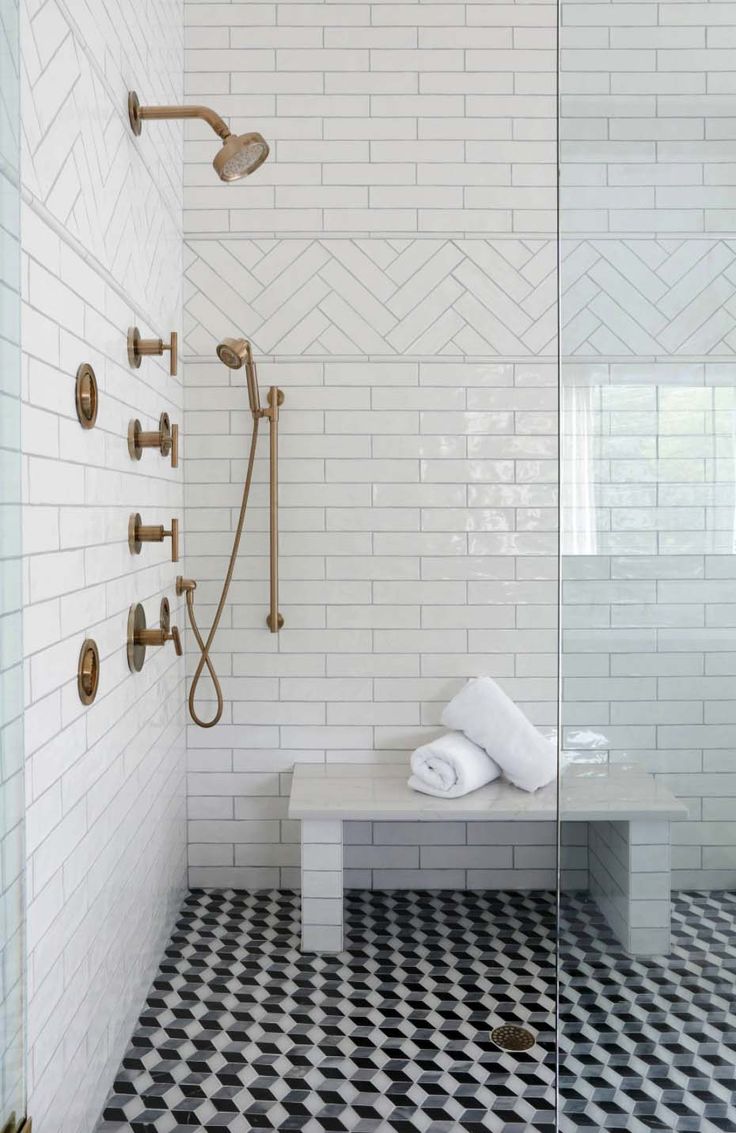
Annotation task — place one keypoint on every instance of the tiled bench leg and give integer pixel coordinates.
(629, 865)
(322, 901)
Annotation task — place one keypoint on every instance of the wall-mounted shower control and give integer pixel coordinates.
(165, 439)
(140, 533)
(88, 671)
(86, 396)
(140, 637)
(139, 348)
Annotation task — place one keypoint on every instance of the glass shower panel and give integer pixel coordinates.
(12, 1085)
(648, 567)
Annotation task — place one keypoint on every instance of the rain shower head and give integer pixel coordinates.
(241, 154)
(235, 353)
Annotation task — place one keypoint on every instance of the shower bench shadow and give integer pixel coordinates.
(628, 814)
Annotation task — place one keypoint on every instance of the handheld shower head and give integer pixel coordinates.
(235, 353)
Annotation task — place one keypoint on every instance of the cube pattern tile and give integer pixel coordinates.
(648, 1044)
(241, 1030)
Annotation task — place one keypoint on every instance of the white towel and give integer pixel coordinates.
(451, 766)
(486, 715)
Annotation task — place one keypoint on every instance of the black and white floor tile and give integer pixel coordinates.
(649, 1044)
(242, 1032)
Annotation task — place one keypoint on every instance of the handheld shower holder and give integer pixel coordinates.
(276, 398)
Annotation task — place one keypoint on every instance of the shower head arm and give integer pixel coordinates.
(138, 114)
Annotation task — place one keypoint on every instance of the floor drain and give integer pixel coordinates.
(511, 1037)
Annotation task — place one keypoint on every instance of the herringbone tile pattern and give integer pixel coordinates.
(649, 297)
(374, 297)
(80, 159)
(477, 298)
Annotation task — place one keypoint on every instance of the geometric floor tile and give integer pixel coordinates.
(649, 1043)
(242, 1032)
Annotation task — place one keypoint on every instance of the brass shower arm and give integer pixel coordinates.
(204, 112)
(138, 114)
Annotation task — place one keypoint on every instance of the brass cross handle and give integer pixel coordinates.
(165, 439)
(167, 631)
(140, 533)
(140, 637)
(174, 636)
(139, 347)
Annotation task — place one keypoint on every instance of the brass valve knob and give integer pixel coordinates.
(165, 439)
(140, 533)
(139, 347)
(140, 637)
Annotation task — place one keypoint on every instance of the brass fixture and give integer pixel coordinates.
(166, 439)
(140, 533)
(235, 353)
(240, 154)
(274, 619)
(13, 1125)
(139, 637)
(140, 347)
(88, 671)
(86, 396)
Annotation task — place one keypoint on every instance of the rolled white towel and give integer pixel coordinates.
(451, 766)
(490, 719)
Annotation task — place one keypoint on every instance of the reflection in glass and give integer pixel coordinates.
(648, 669)
(12, 1085)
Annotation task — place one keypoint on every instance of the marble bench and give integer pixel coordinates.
(627, 810)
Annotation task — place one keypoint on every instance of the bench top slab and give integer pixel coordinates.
(589, 792)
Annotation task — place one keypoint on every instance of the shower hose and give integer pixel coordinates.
(205, 661)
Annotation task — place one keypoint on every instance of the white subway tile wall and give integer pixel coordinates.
(393, 264)
(648, 105)
(648, 303)
(105, 787)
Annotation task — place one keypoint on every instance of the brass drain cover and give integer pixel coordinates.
(511, 1037)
